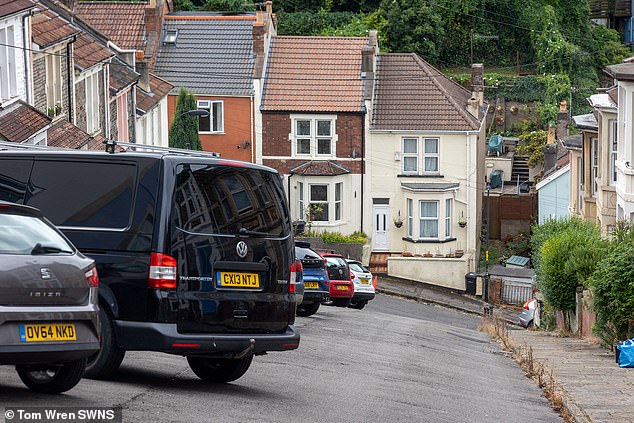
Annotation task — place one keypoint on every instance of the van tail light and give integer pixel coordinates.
(92, 277)
(527, 304)
(162, 271)
(296, 268)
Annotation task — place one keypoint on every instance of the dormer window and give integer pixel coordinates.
(170, 36)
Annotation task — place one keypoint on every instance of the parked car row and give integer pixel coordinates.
(192, 254)
(331, 279)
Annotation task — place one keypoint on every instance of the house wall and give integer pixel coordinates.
(114, 128)
(505, 164)
(80, 103)
(151, 128)
(625, 161)
(606, 195)
(573, 208)
(554, 198)
(238, 127)
(445, 272)
(457, 164)
(589, 211)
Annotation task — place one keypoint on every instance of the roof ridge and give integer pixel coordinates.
(433, 76)
(329, 37)
(208, 18)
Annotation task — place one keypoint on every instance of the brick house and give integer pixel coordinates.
(313, 123)
(19, 121)
(219, 58)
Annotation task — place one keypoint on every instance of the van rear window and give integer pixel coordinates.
(212, 199)
(83, 194)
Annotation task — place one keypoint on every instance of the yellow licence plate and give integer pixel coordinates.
(311, 285)
(237, 280)
(342, 287)
(48, 332)
(365, 281)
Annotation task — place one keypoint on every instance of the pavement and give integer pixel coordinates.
(594, 387)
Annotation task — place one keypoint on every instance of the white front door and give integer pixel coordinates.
(380, 220)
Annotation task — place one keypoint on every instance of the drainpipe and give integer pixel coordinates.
(289, 192)
(26, 40)
(362, 167)
(69, 79)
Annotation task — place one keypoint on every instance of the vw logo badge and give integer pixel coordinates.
(242, 249)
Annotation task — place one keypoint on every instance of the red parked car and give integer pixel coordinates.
(341, 286)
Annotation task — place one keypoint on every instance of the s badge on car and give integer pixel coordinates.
(242, 249)
(45, 272)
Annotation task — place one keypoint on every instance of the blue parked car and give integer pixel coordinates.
(315, 275)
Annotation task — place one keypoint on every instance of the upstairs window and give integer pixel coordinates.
(92, 103)
(54, 84)
(314, 137)
(594, 183)
(8, 69)
(214, 123)
(431, 155)
(613, 151)
(410, 155)
(420, 156)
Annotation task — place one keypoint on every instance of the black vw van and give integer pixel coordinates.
(194, 253)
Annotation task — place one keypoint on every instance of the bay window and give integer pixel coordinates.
(428, 219)
(318, 199)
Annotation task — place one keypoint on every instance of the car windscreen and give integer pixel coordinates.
(30, 235)
(227, 200)
(308, 257)
(337, 269)
(357, 267)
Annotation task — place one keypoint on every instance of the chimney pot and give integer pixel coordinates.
(269, 7)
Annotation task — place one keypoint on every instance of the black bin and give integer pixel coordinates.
(470, 283)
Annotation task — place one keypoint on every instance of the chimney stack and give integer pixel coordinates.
(269, 7)
(143, 69)
(477, 83)
(368, 57)
(562, 121)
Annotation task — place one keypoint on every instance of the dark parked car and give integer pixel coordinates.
(316, 283)
(48, 302)
(341, 286)
(195, 253)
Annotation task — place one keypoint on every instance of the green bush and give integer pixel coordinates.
(532, 145)
(356, 237)
(613, 288)
(566, 259)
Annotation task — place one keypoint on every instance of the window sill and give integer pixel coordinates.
(416, 175)
(428, 241)
(210, 133)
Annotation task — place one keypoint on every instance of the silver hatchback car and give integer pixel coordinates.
(48, 301)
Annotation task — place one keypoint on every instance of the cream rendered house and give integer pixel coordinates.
(593, 167)
(425, 162)
(624, 161)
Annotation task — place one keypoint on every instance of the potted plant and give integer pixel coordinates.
(398, 222)
(58, 109)
(462, 222)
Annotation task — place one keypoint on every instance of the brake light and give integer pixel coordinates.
(162, 271)
(527, 304)
(92, 277)
(296, 267)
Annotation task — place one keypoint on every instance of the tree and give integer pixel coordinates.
(184, 129)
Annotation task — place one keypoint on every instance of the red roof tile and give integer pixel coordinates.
(319, 168)
(613, 93)
(9, 7)
(65, 134)
(320, 74)
(19, 122)
(48, 28)
(411, 94)
(159, 88)
(88, 52)
(123, 22)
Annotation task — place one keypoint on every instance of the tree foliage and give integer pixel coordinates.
(532, 145)
(184, 129)
(613, 289)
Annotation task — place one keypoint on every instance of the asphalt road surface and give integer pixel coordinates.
(394, 361)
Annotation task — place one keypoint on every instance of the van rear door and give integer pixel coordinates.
(230, 235)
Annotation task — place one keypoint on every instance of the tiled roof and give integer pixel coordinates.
(88, 52)
(574, 142)
(9, 7)
(316, 74)
(121, 21)
(319, 168)
(212, 54)
(20, 121)
(430, 186)
(613, 93)
(65, 134)
(121, 75)
(159, 88)
(48, 28)
(96, 143)
(410, 94)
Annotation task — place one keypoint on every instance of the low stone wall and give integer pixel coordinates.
(351, 251)
(439, 271)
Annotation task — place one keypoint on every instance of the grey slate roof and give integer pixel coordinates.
(574, 142)
(429, 186)
(588, 121)
(512, 272)
(213, 54)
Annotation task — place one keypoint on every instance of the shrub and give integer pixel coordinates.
(613, 288)
(566, 259)
(357, 237)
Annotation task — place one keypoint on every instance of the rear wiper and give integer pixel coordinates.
(245, 231)
(46, 249)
